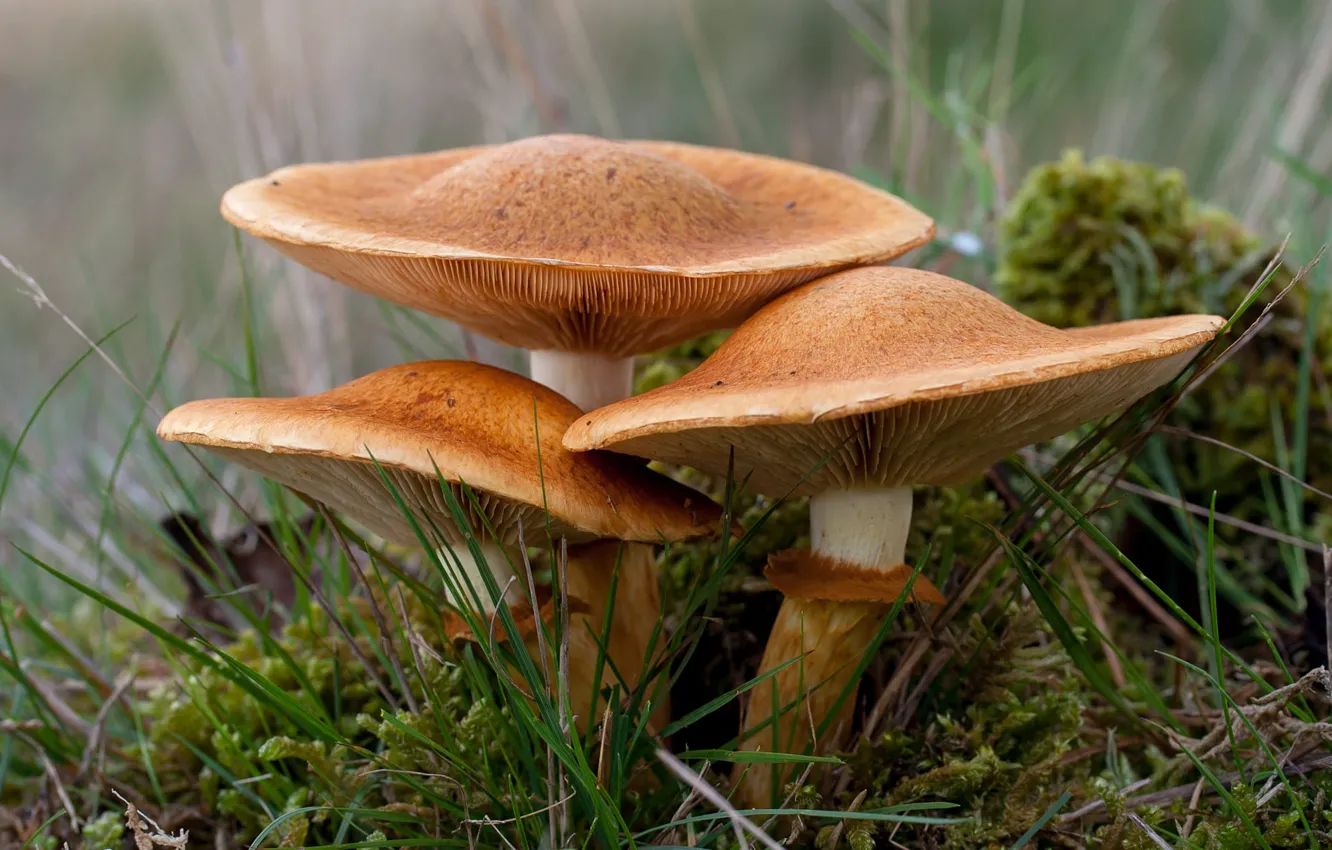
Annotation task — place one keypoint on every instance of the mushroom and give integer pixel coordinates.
(851, 390)
(463, 423)
(584, 250)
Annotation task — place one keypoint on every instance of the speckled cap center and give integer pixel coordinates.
(576, 243)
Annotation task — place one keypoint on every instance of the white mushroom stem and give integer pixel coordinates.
(588, 380)
(865, 528)
(493, 561)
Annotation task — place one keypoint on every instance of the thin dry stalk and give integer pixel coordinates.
(922, 643)
(739, 823)
(1327, 607)
(1268, 465)
(48, 696)
(1304, 109)
(52, 776)
(909, 705)
(691, 800)
(1114, 482)
(1151, 834)
(99, 723)
(1098, 617)
(1139, 593)
(500, 33)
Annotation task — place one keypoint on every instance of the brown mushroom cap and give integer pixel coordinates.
(577, 243)
(477, 424)
(898, 377)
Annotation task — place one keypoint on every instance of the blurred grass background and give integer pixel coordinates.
(122, 123)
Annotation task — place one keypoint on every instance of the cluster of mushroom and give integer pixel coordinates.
(844, 381)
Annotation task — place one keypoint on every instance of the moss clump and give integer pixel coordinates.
(104, 831)
(1220, 827)
(212, 733)
(1090, 242)
(996, 748)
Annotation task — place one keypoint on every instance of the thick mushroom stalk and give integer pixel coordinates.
(836, 597)
(635, 610)
(867, 527)
(597, 659)
(588, 380)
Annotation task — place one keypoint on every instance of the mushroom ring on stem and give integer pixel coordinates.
(850, 390)
(469, 427)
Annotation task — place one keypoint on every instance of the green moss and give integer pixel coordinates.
(104, 831)
(211, 732)
(663, 367)
(998, 749)
(1090, 242)
(1071, 221)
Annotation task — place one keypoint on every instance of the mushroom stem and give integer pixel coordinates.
(865, 527)
(592, 381)
(494, 561)
(859, 532)
(588, 380)
(637, 608)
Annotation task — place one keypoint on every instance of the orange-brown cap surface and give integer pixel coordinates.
(577, 243)
(477, 425)
(897, 377)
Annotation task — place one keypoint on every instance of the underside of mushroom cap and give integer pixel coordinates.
(454, 422)
(885, 377)
(576, 243)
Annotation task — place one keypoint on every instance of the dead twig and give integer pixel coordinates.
(1098, 617)
(739, 822)
(53, 776)
(1139, 593)
(99, 722)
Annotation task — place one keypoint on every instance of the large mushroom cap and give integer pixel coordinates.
(577, 243)
(495, 431)
(897, 377)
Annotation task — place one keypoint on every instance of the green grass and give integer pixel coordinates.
(1033, 713)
